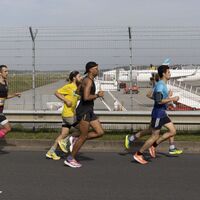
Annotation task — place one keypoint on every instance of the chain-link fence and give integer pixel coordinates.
(40, 59)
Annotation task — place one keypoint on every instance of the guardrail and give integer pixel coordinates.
(106, 117)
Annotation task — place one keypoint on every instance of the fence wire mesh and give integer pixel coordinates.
(58, 50)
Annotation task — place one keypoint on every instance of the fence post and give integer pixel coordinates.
(33, 37)
(131, 69)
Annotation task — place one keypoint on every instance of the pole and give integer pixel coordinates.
(131, 70)
(33, 37)
(131, 65)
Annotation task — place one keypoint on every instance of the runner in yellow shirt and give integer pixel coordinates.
(67, 94)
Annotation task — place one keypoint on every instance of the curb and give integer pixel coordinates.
(92, 145)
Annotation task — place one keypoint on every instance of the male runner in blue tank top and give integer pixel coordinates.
(159, 116)
(129, 139)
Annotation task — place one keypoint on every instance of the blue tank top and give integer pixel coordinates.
(159, 110)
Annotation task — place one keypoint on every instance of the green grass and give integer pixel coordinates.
(23, 82)
(47, 134)
(32, 135)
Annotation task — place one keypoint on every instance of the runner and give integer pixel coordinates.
(85, 113)
(131, 138)
(6, 127)
(69, 96)
(159, 116)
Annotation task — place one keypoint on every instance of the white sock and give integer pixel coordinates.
(66, 139)
(172, 146)
(131, 138)
(53, 149)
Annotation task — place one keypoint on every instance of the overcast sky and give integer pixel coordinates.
(92, 13)
(99, 12)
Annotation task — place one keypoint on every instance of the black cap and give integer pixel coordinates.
(89, 65)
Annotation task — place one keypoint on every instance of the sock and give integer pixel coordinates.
(70, 157)
(131, 138)
(53, 149)
(66, 140)
(155, 144)
(2, 133)
(172, 146)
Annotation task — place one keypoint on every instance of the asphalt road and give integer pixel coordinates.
(28, 175)
(45, 94)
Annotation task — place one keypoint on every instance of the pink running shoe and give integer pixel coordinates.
(72, 163)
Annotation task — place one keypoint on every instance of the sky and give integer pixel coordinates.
(99, 12)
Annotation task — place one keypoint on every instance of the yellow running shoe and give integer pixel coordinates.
(127, 142)
(52, 155)
(62, 146)
(175, 151)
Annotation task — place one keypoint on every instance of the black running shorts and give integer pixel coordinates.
(3, 119)
(157, 123)
(89, 116)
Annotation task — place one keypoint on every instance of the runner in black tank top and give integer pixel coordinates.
(85, 108)
(3, 96)
(85, 113)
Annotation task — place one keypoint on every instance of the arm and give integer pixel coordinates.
(62, 98)
(159, 98)
(87, 88)
(171, 99)
(13, 95)
(150, 94)
(170, 93)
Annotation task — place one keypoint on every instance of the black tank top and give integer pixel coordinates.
(86, 106)
(3, 95)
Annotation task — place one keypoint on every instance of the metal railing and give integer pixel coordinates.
(106, 117)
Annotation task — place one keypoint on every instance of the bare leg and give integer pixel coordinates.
(64, 133)
(150, 141)
(167, 135)
(84, 127)
(98, 130)
(143, 133)
(171, 140)
(6, 128)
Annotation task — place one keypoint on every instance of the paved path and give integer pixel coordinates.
(107, 176)
(45, 94)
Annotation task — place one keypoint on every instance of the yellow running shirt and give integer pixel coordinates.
(69, 91)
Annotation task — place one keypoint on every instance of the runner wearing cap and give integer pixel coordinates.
(85, 113)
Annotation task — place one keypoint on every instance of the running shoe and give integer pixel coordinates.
(152, 151)
(175, 151)
(127, 142)
(140, 159)
(62, 146)
(72, 163)
(52, 155)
